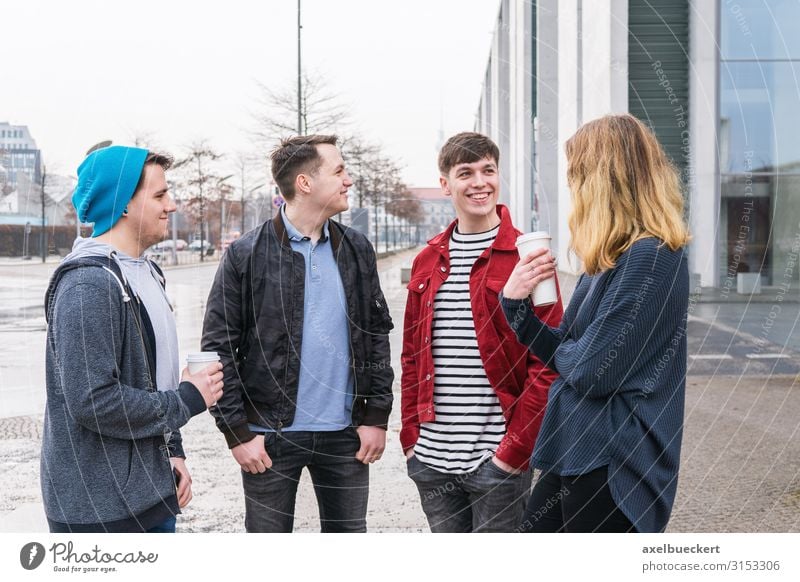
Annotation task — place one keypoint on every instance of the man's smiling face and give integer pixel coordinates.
(474, 188)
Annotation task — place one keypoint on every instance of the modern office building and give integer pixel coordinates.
(21, 174)
(717, 80)
(18, 155)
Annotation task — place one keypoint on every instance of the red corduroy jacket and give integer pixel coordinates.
(520, 380)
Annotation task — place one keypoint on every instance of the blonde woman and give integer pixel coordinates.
(610, 441)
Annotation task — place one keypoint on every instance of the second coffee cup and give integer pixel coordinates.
(197, 361)
(545, 292)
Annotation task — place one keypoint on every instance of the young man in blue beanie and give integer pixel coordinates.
(112, 459)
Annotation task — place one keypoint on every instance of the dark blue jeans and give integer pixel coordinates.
(486, 500)
(167, 526)
(341, 483)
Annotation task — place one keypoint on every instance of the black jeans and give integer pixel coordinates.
(341, 483)
(577, 504)
(487, 500)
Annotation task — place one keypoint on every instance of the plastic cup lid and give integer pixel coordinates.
(539, 234)
(202, 357)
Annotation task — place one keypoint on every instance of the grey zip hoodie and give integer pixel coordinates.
(105, 463)
(146, 283)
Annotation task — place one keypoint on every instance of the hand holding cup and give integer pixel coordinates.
(205, 373)
(534, 272)
(530, 271)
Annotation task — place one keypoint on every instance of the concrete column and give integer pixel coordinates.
(605, 57)
(569, 117)
(547, 142)
(517, 160)
(495, 65)
(483, 124)
(502, 97)
(704, 183)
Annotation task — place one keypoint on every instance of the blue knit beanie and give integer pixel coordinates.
(107, 180)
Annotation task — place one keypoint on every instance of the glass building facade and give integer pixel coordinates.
(759, 141)
(719, 83)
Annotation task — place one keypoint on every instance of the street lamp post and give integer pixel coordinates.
(202, 209)
(275, 202)
(386, 227)
(299, 77)
(249, 195)
(173, 221)
(26, 255)
(222, 219)
(43, 230)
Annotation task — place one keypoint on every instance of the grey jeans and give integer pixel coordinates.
(486, 500)
(341, 483)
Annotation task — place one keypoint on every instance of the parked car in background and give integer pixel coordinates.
(166, 245)
(154, 254)
(207, 247)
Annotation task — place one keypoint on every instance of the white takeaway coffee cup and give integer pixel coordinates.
(197, 361)
(545, 292)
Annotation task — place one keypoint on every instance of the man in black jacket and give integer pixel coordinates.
(297, 315)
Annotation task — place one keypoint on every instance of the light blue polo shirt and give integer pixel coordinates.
(325, 388)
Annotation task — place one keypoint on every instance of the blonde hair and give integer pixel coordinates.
(624, 188)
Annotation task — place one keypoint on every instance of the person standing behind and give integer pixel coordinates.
(114, 402)
(297, 315)
(610, 443)
(472, 397)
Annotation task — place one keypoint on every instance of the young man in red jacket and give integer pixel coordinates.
(473, 397)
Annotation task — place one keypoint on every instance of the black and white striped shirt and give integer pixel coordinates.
(469, 422)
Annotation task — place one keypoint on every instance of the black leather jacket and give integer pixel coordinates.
(254, 321)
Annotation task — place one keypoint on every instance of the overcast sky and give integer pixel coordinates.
(80, 71)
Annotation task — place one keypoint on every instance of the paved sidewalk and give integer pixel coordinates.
(218, 503)
(740, 462)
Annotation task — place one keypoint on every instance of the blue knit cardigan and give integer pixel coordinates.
(620, 353)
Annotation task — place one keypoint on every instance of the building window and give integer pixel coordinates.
(759, 141)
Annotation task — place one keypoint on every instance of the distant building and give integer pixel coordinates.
(18, 156)
(21, 175)
(436, 208)
(382, 228)
(24, 204)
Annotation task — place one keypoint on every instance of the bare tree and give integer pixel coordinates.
(405, 207)
(358, 156)
(201, 181)
(380, 173)
(223, 192)
(143, 138)
(250, 171)
(322, 110)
